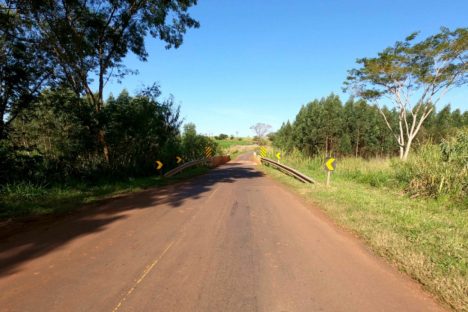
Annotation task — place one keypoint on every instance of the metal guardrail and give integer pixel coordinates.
(288, 170)
(184, 166)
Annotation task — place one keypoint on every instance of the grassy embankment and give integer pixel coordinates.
(235, 147)
(20, 200)
(425, 237)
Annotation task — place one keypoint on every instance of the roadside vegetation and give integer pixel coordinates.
(401, 178)
(61, 142)
(423, 231)
(227, 143)
(51, 159)
(24, 199)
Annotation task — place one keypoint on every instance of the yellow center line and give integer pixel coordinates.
(152, 265)
(142, 277)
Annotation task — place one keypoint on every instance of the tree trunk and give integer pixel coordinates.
(105, 147)
(357, 144)
(326, 146)
(407, 149)
(102, 135)
(2, 130)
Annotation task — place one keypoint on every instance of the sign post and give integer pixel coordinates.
(330, 165)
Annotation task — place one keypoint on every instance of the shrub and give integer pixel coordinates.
(438, 170)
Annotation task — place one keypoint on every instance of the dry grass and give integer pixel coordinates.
(236, 150)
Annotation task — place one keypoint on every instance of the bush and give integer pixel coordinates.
(437, 170)
(194, 144)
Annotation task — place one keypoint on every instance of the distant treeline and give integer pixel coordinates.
(56, 139)
(356, 128)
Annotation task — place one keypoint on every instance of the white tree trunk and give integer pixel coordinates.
(407, 150)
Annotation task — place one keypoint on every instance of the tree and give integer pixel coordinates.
(345, 144)
(222, 136)
(444, 123)
(24, 69)
(332, 119)
(284, 137)
(194, 145)
(414, 77)
(54, 139)
(139, 129)
(190, 130)
(261, 130)
(89, 39)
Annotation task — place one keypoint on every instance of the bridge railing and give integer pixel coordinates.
(184, 166)
(211, 162)
(287, 170)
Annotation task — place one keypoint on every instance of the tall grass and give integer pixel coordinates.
(432, 171)
(435, 171)
(28, 199)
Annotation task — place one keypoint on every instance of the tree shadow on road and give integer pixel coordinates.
(25, 241)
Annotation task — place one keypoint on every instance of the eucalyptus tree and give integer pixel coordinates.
(88, 39)
(414, 77)
(25, 70)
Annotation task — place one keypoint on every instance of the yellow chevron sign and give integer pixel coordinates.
(263, 151)
(179, 159)
(159, 165)
(330, 164)
(208, 152)
(278, 155)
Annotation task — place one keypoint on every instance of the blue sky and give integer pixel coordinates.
(259, 61)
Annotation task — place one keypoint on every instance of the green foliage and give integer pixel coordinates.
(72, 44)
(434, 171)
(345, 146)
(326, 126)
(414, 76)
(438, 170)
(24, 69)
(437, 61)
(84, 38)
(141, 130)
(284, 137)
(56, 140)
(26, 198)
(226, 144)
(51, 160)
(53, 140)
(193, 144)
(329, 127)
(222, 136)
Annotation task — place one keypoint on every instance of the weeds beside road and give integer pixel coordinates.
(27, 199)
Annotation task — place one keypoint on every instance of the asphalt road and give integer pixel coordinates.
(231, 240)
